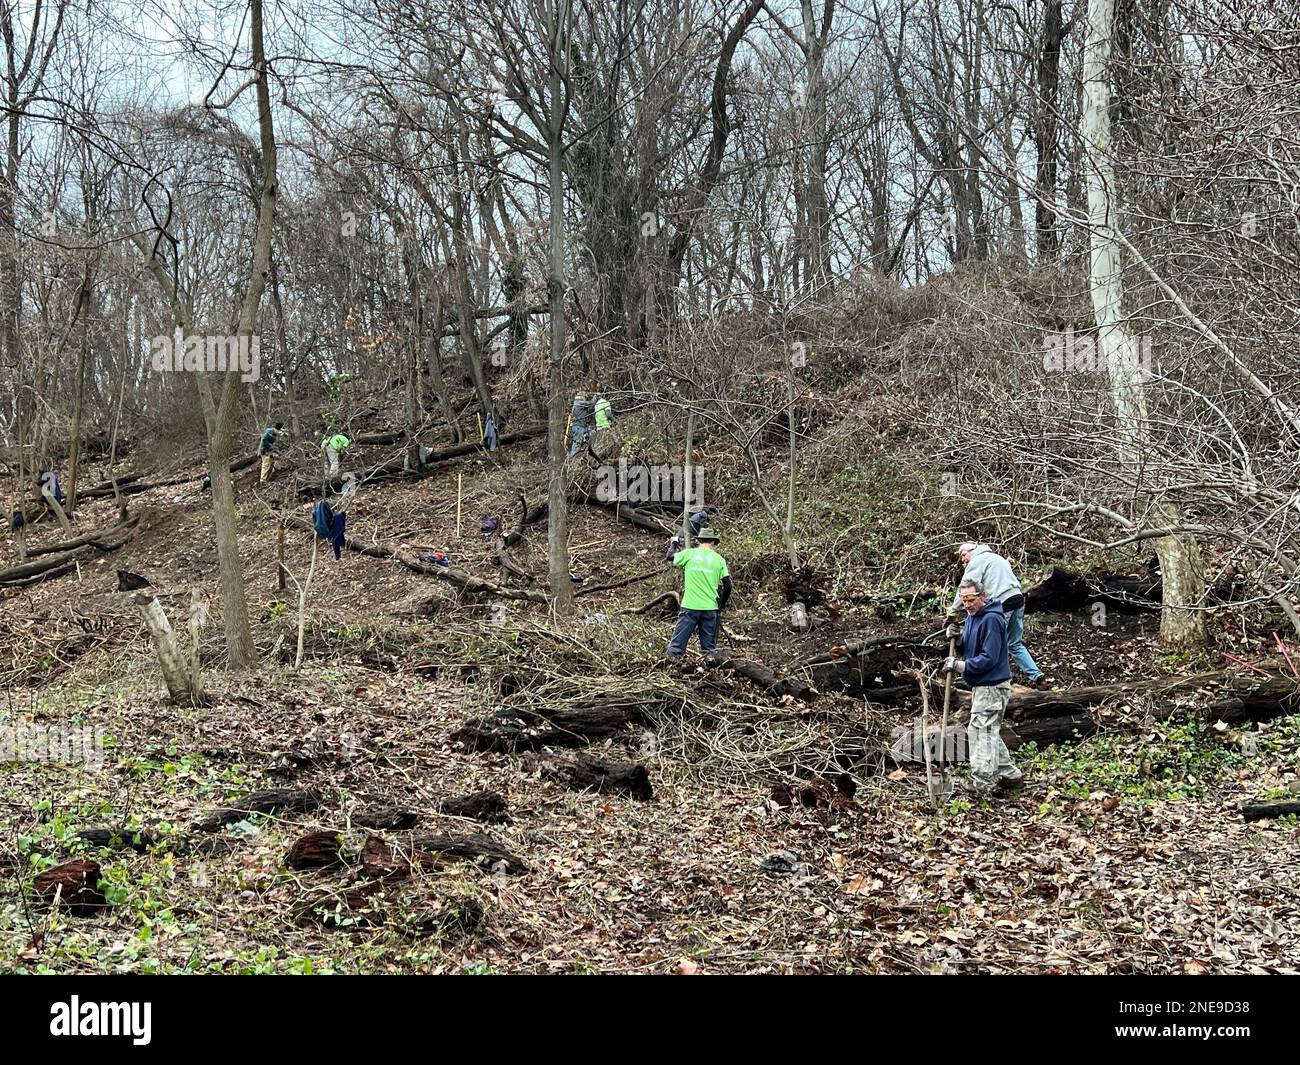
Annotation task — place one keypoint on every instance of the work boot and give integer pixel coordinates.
(1009, 785)
(968, 789)
(1041, 683)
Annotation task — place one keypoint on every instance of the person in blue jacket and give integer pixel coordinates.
(985, 666)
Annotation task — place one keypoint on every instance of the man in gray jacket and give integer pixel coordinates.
(993, 572)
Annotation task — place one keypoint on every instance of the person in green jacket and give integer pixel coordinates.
(706, 589)
(604, 414)
(334, 446)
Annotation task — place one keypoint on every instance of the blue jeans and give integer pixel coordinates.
(577, 434)
(1016, 649)
(687, 622)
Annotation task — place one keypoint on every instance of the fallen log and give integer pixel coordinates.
(429, 850)
(584, 771)
(510, 730)
(94, 538)
(130, 484)
(117, 838)
(271, 801)
(395, 469)
(56, 564)
(30, 572)
(1222, 697)
(875, 671)
(1064, 591)
(641, 519)
(1267, 810)
(794, 686)
(385, 818)
(1066, 715)
(485, 806)
(380, 862)
(452, 574)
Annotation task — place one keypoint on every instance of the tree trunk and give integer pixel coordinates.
(561, 581)
(1181, 625)
(1047, 130)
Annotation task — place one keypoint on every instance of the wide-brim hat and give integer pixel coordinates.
(707, 534)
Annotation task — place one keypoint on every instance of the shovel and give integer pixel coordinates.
(943, 787)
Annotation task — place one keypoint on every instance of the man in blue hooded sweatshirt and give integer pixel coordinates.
(985, 667)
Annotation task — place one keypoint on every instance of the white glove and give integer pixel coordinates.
(954, 665)
(953, 631)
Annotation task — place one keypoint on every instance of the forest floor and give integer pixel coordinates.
(1124, 853)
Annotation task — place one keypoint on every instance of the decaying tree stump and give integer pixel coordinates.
(180, 685)
(75, 884)
(316, 850)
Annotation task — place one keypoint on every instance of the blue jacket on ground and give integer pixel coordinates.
(984, 646)
(330, 525)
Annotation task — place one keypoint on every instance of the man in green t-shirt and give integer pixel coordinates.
(334, 446)
(706, 589)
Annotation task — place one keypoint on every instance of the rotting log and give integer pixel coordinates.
(54, 564)
(1264, 811)
(625, 512)
(872, 669)
(475, 847)
(270, 801)
(485, 806)
(795, 686)
(511, 730)
(395, 469)
(130, 484)
(587, 772)
(385, 818)
(452, 574)
(1068, 714)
